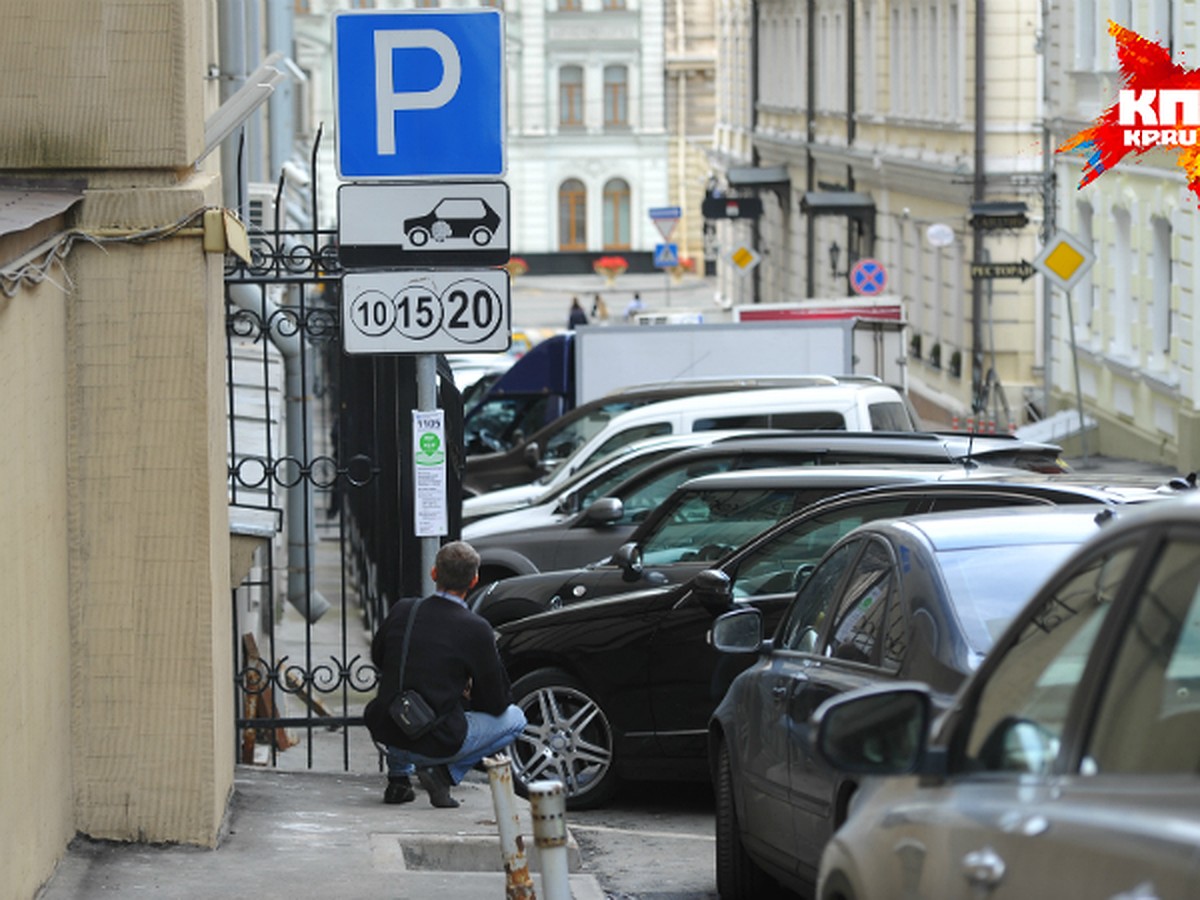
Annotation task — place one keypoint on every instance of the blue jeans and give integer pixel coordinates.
(486, 735)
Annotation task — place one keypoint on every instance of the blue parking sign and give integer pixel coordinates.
(419, 93)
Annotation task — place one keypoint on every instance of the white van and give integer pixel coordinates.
(849, 406)
(859, 405)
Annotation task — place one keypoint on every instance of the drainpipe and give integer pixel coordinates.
(810, 128)
(755, 234)
(980, 182)
(301, 528)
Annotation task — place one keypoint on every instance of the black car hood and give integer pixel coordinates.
(619, 606)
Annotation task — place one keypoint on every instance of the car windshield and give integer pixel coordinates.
(990, 585)
(706, 525)
(601, 485)
(573, 436)
(494, 426)
(781, 564)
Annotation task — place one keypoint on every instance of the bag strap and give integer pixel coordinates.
(408, 630)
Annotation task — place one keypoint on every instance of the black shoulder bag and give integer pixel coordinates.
(410, 710)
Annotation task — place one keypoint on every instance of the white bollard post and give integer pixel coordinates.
(518, 883)
(548, 802)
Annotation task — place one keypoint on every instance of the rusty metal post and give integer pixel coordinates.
(518, 883)
(548, 800)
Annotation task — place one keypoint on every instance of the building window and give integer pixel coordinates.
(616, 215)
(570, 96)
(614, 4)
(302, 7)
(1122, 313)
(362, 4)
(1085, 289)
(1160, 285)
(572, 215)
(570, 5)
(616, 95)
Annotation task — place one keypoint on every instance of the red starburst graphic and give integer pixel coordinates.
(1147, 72)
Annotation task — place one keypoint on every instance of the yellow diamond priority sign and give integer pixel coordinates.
(744, 258)
(1064, 260)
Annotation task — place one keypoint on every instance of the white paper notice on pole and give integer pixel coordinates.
(429, 473)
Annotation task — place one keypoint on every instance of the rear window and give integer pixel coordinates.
(798, 421)
(990, 585)
(889, 417)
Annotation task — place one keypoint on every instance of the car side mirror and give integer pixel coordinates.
(740, 631)
(876, 730)
(605, 511)
(533, 455)
(629, 559)
(713, 590)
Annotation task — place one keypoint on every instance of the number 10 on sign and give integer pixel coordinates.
(426, 312)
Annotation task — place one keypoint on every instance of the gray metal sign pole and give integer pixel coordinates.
(427, 400)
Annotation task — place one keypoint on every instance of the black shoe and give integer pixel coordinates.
(399, 790)
(437, 784)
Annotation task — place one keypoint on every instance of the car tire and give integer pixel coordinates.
(738, 876)
(418, 237)
(481, 237)
(567, 737)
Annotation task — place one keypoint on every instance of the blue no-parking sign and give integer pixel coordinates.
(419, 93)
(868, 277)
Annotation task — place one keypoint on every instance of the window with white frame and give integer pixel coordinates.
(572, 215)
(1085, 36)
(616, 215)
(570, 96)
(1122, 273)
(1084, 292)
(616, 96)
(1160, 284)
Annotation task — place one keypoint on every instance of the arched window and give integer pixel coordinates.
(572, 215)
(616, 96)
(570, 96)
(616, 215)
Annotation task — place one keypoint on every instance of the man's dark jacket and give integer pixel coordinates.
(450, 646)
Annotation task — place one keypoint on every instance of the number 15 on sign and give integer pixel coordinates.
(426, 312)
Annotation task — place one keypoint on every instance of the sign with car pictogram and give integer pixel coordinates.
(424, 223)
(434, 311)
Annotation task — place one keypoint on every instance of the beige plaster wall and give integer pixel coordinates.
(148, 527)
(35, 742)
(103, 83)
(113, 522)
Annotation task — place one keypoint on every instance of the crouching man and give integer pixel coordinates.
(453, 664)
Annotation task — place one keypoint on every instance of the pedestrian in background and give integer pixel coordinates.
(599, 309)
(577, 315)
(453, 663)
(635, 306)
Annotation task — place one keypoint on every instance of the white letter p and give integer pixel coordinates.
(388, 102)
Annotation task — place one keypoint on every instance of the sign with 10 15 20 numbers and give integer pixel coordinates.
(426, 311)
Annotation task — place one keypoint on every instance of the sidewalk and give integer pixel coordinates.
(307, 834)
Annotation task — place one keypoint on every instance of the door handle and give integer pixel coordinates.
(983, 868)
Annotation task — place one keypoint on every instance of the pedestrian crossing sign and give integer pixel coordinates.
(666, 256)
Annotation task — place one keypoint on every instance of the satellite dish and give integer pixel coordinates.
(939, 235)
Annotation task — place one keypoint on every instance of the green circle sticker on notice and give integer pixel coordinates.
(429, 450)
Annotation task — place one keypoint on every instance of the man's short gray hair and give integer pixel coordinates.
(457, 564)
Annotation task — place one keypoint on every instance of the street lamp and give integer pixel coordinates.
(835, 253)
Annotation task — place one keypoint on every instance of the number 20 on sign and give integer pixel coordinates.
(427, 312)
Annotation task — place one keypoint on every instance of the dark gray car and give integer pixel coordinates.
(912, 598)
(1068, 759)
